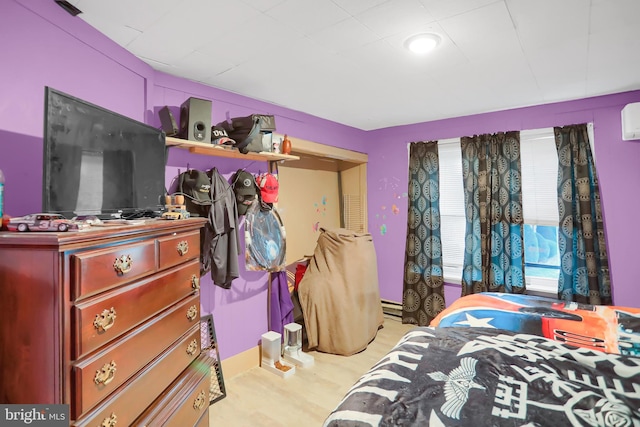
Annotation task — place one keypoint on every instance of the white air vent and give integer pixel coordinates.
(631, 121)
(353, 214)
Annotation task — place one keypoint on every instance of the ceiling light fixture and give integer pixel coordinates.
(421, 44)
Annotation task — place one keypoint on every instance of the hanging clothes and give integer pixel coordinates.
(281, 306)
(220, 247)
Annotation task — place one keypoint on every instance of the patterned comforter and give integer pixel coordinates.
(475, 376)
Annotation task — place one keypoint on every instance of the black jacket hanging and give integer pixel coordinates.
(220, 248)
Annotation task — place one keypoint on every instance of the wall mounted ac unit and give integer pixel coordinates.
(631, 121)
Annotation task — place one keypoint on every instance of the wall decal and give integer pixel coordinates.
(389, 183)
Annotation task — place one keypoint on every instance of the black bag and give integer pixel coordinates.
(247, 131)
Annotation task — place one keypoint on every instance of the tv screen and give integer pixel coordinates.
(98, 162)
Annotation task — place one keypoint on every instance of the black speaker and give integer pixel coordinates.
(195, 120)
(169, 125)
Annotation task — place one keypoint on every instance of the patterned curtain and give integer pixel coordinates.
(423, 285)
(493, 257)
(584, 266)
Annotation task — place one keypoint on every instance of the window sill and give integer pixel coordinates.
(543, 285)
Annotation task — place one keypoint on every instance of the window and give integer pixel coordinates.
(540, 209)
(539, 161)
(452, 215)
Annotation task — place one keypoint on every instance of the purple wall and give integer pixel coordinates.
(48, 47)
(616, 165)
(240, 313)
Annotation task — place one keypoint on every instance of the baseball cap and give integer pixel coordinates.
(245, 189)
(268, 185)
(196, 185)
(219, 136)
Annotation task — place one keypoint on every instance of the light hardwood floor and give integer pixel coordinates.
(259, 398)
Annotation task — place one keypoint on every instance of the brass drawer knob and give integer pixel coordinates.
(110, 421)
(123, 264)
(192, 313)
(200, 401)
(105, 320)
(192, 348)
(183, 248)
(195, 282)
(106, 374)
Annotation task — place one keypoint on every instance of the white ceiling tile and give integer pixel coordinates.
(191, 27)
(608, 14)
(613, 61)
(197, 66)
(139, 14)
(544, 23)
(344, 35)
(238, 47)
(442, 9)
(506, 78)
(263, 5)
(554, 83)
(479, 23)
(161, 66)
(492, 45)
(297, 51)
(119, 33)
(379, 57)
(466, 86)
(312, 56)
(355, 7)
(308, 16)
(397, 16)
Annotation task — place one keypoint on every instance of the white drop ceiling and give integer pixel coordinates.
(343, 60)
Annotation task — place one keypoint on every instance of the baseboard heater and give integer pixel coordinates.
(391, 308)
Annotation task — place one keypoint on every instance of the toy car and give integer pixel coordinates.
(175, 215)
(41, 222)
(176, 209)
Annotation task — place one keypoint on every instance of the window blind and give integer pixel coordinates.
(539, 162)
(452, 212)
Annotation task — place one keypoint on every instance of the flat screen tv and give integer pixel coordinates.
(98, 162)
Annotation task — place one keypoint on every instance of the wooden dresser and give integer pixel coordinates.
(106, 320)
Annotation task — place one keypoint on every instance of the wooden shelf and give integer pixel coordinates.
(228, 152)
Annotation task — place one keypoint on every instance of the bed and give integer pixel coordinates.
(505, 360)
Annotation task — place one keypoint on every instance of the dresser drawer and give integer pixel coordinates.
(95, 378)
(204, 420)
(99, 320)
(178, 248)
(195, 405)
(99, 270)
(132, 398)
(184, 402)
